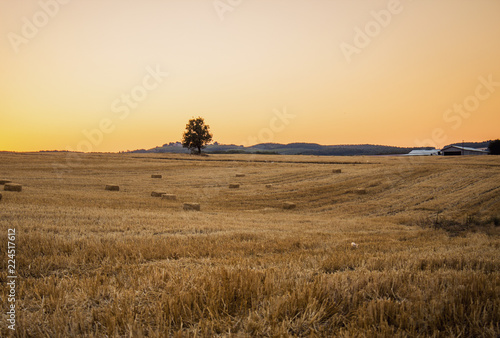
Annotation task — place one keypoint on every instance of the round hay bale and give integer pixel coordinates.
(112, 187)
(234, 186)
(2, 182)
(191, 206)
(158, 193)
(289, 205)
(269, 186)
(13, 187)
(240, 175)
(361, 191)
(336, 171)
(156, 176)
(169, 197)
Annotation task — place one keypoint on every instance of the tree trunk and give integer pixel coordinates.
(199, 150)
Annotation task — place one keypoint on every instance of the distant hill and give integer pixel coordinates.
(287, 149)
(298, 149)
(471, 144)
(334, 150)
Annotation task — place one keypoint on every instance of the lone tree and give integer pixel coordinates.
(197, 135)
(494, 147)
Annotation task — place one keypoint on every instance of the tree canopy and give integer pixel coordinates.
(197, 135)
(494, 147)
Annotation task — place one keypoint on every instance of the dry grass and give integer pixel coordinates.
(96, 264)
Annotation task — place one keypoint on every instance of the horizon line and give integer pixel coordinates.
(232, 144)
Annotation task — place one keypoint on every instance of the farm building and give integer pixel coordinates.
(457, 150)
(423, 152)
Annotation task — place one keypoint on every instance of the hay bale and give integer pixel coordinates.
(156, 176)
(360, 191)
(269, 186)
(336, 171)
(289, 205)
(169, 197)
(191, 206)
(111, 187)
(0, 196)
(2, 182)
(12, 187)
(158, 193)
(240, 175)
(234, 186)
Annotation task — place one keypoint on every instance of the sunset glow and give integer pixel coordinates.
(123, 75)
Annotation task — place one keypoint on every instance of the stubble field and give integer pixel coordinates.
(98, 263)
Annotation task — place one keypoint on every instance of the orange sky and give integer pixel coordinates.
(92, 75)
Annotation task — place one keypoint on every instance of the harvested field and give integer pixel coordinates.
(95, 264)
